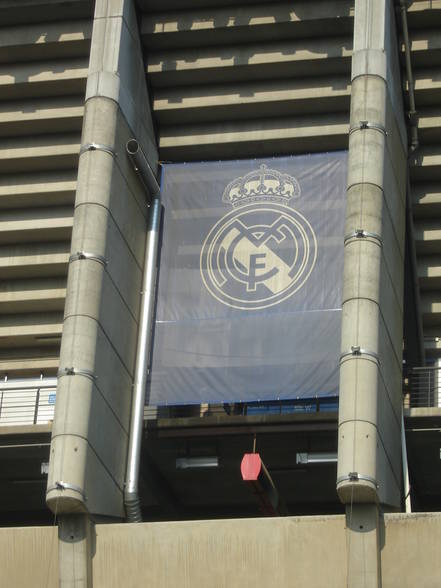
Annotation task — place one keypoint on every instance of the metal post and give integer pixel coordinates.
(406, 483)
(437, 384)
(37, 402)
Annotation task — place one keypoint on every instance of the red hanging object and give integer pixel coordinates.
(257, 477)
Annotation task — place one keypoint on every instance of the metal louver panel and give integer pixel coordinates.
(249, 80)
(424, 20)
(44, 53)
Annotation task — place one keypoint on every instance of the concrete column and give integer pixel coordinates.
(75, 551)
(359, 371)
(363, 546)
(97, 359)
(369, 454)
(98, 348)
(369, 450)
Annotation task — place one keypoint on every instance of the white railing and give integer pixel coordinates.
(424, 388)
(29, 401)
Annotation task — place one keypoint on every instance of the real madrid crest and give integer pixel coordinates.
(263, 251)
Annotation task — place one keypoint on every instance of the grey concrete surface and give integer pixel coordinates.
(369, 438)
(291, 552)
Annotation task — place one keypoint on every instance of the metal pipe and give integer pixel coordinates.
(414, 144)
(412, 113)
(142, 167)
(414, 269)
(316, 457)
(131, 497)
(24, 445)
(406, 483)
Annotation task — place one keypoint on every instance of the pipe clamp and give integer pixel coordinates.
(364, 125)
(71, 371)
(87, 255)
(362, 234)
(356, 477)
(97, 147)
(60, 485)
(357, 351)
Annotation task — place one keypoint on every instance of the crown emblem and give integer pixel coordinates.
(262, 185)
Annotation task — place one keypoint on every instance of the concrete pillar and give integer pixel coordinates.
(98, 347)
(369, 441)
(363, 546)
(97, 359)
(75, 551)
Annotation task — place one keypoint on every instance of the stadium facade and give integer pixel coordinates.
(96, 96)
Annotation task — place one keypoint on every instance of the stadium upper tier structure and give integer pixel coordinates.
(220, 296)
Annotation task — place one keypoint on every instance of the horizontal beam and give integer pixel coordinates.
(36, 260)
(227, 25)
(41, 224)
(29, 330)
(251, 100)
(63, 114)
(244, 429)
(28, 80)
(50, 188)
(255, 138)
(425, 166)
(23, 363)
(44, 40)
(40, 295)
(307, 57)
(27, 11)
(30, 154)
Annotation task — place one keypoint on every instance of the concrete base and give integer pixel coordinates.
(363, 546)
(288, 552)
(75, 551)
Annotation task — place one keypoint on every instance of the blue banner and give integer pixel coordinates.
(250, 280)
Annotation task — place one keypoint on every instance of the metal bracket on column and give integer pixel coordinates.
(97, 147)
(357, 351)
(362, 234)
(356, 477)
(364, 125)
(66, 486)
(86, 255)
(71, 371)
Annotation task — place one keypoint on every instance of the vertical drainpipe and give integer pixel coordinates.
(414, 144)
(143, 351)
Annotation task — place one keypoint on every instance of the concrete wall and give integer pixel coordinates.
(249, 553)
(29, 557)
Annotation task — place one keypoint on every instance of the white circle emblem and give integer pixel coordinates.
(258, 255)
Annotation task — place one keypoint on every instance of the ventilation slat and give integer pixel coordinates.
(44, 59)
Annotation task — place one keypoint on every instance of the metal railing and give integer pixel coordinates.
(32, 401)
(423, 388)
(28, 401)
